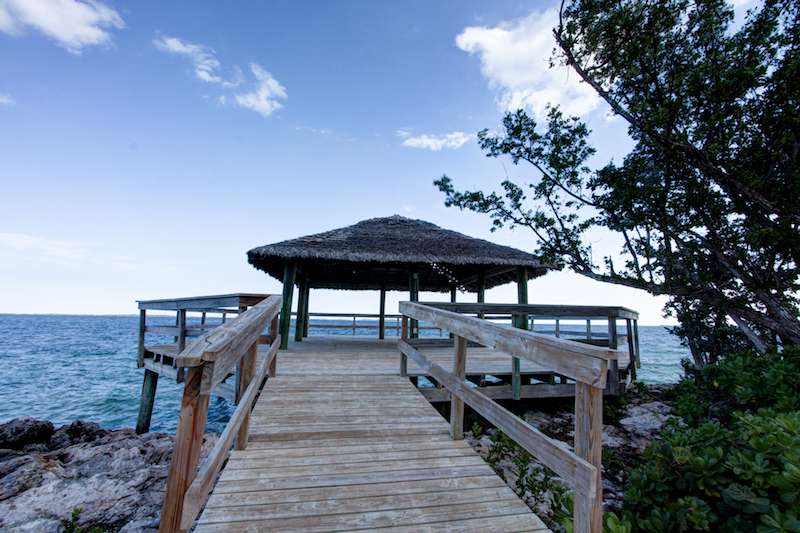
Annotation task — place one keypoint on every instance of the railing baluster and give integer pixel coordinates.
(456, 403)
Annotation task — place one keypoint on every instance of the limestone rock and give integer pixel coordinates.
(117, 478)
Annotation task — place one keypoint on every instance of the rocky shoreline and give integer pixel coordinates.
(118, 478)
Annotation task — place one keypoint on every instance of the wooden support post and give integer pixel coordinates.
(403, 357)
(481, 289)
(245, 374)
(382, 318)
(631, 351)
(613, 365)
(273, 334)
(522, 323)
(589, 446)
(413, 289)
(186, 454)
(453, 300)
(636, 343)
(289, 275)
(306, 317)
(181, 338)
(146, 402)
(456, 404)
(142, 323)
(299, 323)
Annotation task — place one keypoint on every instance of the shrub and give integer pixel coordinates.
(734, 465)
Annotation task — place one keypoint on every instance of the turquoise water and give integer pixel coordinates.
(65, 368)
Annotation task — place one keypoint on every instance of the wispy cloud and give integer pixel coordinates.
(264, 99)
(5, 99)
(73, 24)
(515, 59)
(436, 142)
(65, 253)
(27, 251)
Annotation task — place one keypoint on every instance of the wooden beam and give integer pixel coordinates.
(575, 470)
(457, 404)
(186, 454)
(142, 326)
(581, 362)
(382, 318)
(544, 311)
(413, 289)
(146, 402)
(589, 446)
(289, 274)
(247, 370)
(522, 323)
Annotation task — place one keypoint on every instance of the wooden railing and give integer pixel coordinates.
(586, 364)
(209, 360)
(356, 325)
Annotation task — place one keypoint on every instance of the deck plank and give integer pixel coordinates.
(355, 452)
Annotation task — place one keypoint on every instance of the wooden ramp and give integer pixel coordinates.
(357, 453)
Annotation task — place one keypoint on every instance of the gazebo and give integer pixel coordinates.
(391, 254)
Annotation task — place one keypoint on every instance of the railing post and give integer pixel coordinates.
(613, 365)
(589, 446)
(186, 454)
(457, 404)
(247, 369)
(403, 358)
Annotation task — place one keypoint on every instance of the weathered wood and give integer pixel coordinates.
(273, 334)
(413, 284)
(193, 497)
(589, 446)
(289, 275)
(221, 348)
(581, 362)
(403, 358)
(142, 325)
(186, 454)
(146, 402)
(457, 404)
(578, 472)
(613, 367)
(505, 392)
(200, 303)
(581, 312)
(247, 369)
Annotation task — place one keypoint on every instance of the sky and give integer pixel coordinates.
(146, 146)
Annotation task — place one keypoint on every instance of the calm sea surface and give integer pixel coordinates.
(65, 368)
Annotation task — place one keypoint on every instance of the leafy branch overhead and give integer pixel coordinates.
(706, 206)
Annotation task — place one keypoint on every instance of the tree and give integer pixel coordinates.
(707, 204)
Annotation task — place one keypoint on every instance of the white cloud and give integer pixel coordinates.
(515, 59)
(201, 56)
(451, 140)
(264, 99)
(5, 99)
(74, 24)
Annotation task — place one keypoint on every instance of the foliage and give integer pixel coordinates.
(72, 525)
(743, 382)
(734, 463)
(707, 204)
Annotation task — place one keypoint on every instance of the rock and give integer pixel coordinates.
(117, 478)
(24, 431)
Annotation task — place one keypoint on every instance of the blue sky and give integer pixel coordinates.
(145, 146)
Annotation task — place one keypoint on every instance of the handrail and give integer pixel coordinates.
(585, 363)
(209, 359)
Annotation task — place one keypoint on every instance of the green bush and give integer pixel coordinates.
(734, 465)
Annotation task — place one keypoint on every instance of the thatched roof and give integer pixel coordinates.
(386, 250)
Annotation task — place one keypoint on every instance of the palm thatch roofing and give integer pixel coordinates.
(384, 252)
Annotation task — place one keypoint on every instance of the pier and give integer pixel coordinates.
(333, 434)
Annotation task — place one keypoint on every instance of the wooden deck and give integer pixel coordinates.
(356, 453)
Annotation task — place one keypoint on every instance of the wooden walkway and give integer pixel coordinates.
(341, 450)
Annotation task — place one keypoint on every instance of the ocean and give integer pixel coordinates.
(64, 368)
